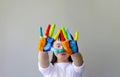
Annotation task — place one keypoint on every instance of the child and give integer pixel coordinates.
(63, 63)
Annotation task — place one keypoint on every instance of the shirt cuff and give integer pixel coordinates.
(44, 71)
(79, 69)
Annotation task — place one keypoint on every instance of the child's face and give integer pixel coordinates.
(61, 56)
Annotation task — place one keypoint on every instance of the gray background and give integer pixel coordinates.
(98, 22)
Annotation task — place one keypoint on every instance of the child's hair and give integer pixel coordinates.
(54, 58)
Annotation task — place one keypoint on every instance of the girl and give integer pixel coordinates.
(62, 64)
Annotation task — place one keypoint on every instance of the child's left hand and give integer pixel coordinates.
(70, 44)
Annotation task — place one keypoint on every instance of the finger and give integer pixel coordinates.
(55, 50)
(62, 36)
(76, 36)
(57, 34)
(52, 30)
(40, 31)
(61, 50)
(64, 33)
(47, 30)
(68, 33)
(41, 43)
(73, 46)
(66, 46)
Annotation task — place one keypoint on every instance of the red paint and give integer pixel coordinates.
(47, 30)
(62, 36)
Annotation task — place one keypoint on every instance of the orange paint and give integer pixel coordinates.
(41, 43)
(67, 47)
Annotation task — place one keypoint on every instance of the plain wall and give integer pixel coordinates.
(98, 22)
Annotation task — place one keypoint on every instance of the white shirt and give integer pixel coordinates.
(62, 70)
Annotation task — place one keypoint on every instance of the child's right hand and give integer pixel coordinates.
(45, 42)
